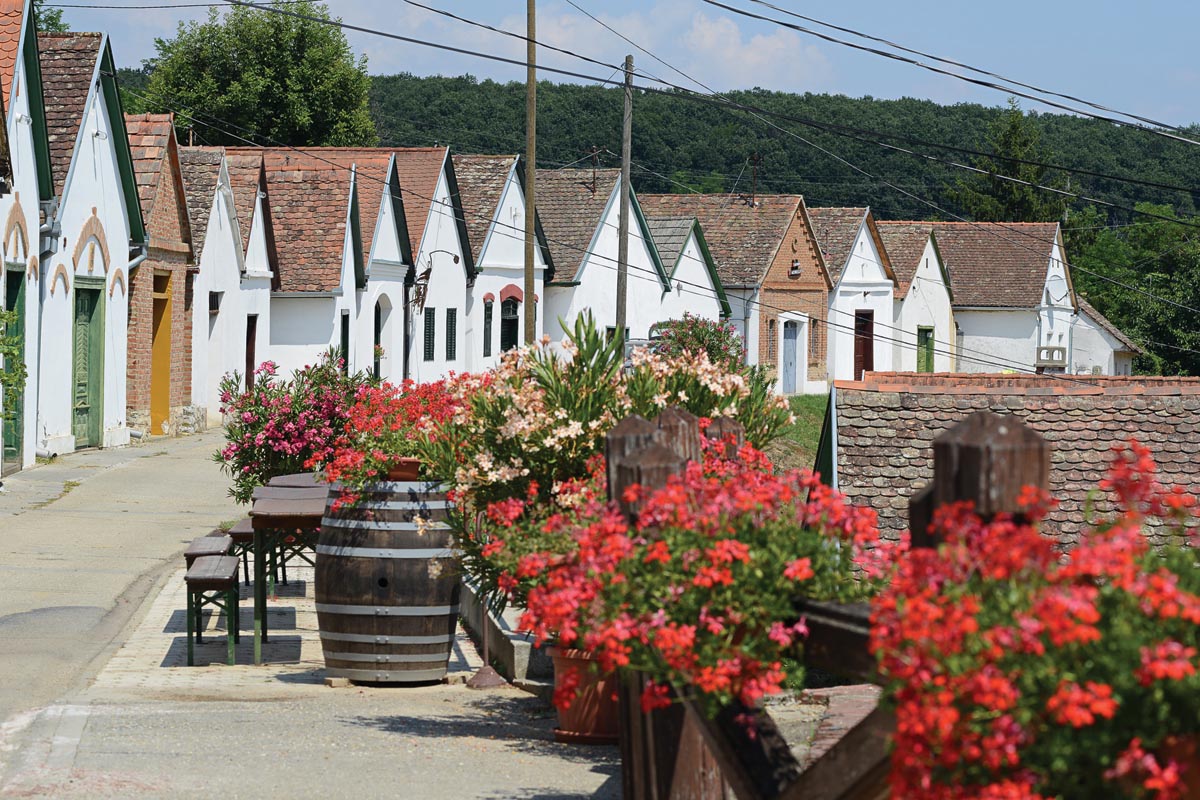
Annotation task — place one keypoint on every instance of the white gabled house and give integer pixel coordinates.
(1013, 298)
(923, 330)
(232, 288)
(691, 272)
(492, 194)
(861, 307)
(98, 238)
(1099, 347)
(28, 154)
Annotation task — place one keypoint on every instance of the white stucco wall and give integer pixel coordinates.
(743, 315)
(863, 286)
(93, 181)
(686, 293)
(25, 191)
(501, 264)
(997, 340)
(1057, 312)
(926, 305)
(597, 279)
(1092, 346)
(439, 245)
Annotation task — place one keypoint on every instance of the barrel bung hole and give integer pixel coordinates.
(383, 583)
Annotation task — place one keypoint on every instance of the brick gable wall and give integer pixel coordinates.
(168, 255)
(805, 292)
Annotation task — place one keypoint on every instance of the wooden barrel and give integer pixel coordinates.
(387, 585)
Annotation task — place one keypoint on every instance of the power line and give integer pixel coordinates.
(949, 73)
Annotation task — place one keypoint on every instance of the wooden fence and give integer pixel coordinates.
(678, 753)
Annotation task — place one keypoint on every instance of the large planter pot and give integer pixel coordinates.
(593, 717)
(406, 469)
(387, 585)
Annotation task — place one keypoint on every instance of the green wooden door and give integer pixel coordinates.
(88, 372)
(924, 349)
(13, 421)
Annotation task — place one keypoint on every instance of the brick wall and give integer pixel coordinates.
(169, 254)
(805, 292)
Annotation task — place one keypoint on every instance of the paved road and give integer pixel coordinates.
(85, 540)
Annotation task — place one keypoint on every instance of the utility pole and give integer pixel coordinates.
(623, 225)
(530, 170)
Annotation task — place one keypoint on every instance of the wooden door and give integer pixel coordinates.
(864, 343)
(160, 357)
(791, 338)
(251, 343)
(88, 367)
(13, 420)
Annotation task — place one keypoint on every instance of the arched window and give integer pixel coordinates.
(487, 327)
(377, 350)
(510, 323)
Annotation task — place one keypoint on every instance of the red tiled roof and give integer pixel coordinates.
(149, 140)
(836, 229)
(419, 169)
(481, 182)
(12, 14)
(245, 171)
(1104, 323)
(905, 244)
(887, 423)
(570, 213)
(743, 239)
(68, 61)
(996, 264)
(201, 168)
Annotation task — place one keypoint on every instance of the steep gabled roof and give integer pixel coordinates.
(571, 208)
(671, 235)
(481, 181)
(153, 149)
(68, 63)
(201, 169)
(836, 229)
(905, 245)
(997, 264)
(1103, 321)
(419, 168)
(12, 17)
(245, 177)
(743, 238)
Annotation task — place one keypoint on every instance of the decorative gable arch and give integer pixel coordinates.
(61, 269)
(15, 232)
(32, 273)
(118, 277)
(91, 235)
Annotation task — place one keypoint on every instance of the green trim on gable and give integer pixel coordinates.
(543, 242)
(37, 104)
(116, 120)
(398, 216)
(649, 239)
(942, 265)
(356, 242)
(710, 265)
(826, 461)
(460, 218)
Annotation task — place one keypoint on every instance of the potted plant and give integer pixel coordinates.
(1019, 671)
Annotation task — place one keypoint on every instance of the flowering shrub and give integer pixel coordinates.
(278, 427)
(13, 374)
(383, 424)
(719, 341)
(702, 590)
(1019, 672)
(531, 426)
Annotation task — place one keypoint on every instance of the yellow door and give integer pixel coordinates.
(160, 357)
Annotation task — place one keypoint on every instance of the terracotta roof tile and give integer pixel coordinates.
(201, 168)
(996, 264)
(419, 169)
(886, 426)
(12, 14)
(905, 244)
(68, 61)
(836, 229)
(570, 213)
(1104, 323)
(481, 181)
(670, 236)
(245, 173)
(743, 239)
(149, 140)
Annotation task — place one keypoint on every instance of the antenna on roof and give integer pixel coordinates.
(594, 153)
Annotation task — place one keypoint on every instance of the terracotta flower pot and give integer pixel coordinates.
(592, 717)
(1184, 750)
(406, 469)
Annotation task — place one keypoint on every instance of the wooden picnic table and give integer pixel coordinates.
(288, 508)
(300, 480)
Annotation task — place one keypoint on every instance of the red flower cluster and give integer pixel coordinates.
(1008, 659)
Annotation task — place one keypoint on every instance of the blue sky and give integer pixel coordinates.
(1107, 52)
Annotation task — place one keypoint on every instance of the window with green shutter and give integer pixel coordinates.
(451, 334)
(487, 328)
(924, 349)
(430, 332)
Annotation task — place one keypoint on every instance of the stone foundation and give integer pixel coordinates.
(187, 420)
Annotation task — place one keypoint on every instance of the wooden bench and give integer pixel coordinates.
(212, 581)
(242, 534)
(214, 544)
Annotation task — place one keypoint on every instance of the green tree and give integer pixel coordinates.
(49, 20)
(264, 76)
(988, 197)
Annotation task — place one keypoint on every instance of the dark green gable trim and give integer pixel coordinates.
(826, 461)
(711, 266)
(37, 104)
(116, 121)
(460, 217)
(645, 229)
(543, 243)
(396, 196)
(356, 242)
